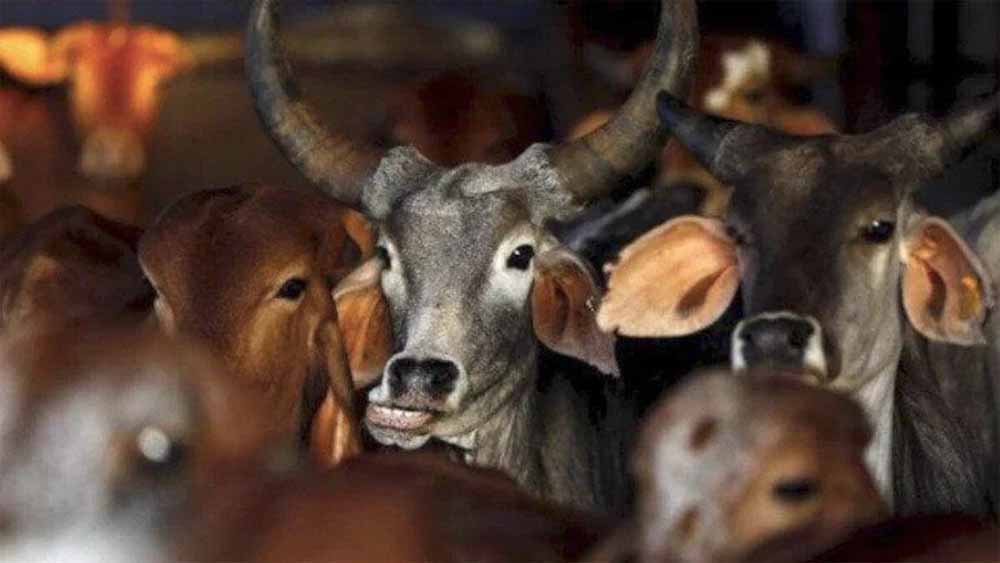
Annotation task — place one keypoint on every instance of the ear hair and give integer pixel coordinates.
(947, 292)
(364, 321)
(564, 299)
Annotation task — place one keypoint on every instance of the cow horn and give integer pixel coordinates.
(725, 147)
(964, 129)
(332, 161)
(599, 162)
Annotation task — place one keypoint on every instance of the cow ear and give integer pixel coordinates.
(365, 325)
(946, 291)
(674, 280)
(564, 298)
(334, 434)
(27, 55)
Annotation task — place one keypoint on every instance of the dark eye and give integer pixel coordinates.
(383, 254)
(754, 96)
(157, 450)
(795, 490)
(878, 232)
(292, 289)
(520, 259)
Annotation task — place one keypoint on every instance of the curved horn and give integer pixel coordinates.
(964, 129)
(333, 162)
(596, 164)
(725, 147)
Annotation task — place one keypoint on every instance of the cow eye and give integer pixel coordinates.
(795, 490)
(292, 289)
(878, 232)
(520, 259)
(157, 450)
(383, 255)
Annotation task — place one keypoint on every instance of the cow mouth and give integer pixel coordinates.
(399, 418)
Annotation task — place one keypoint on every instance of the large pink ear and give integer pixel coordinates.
(946, 291)
(365, 325)
(564, 298)
(674, 280)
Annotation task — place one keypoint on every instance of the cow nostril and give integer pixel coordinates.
(431, 375)
(797, 340)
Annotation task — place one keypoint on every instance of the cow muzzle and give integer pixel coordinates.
(414, 392)
(112, 154)
(781, 341)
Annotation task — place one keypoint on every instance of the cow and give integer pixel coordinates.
(842, 274)
(115, 72)
(247, 272)
(455, 117)
(466, 283)
(71, 266)
(382, 507)
(726, 464)
(103, 431)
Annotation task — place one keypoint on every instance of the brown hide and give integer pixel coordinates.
(726, 464)
(386, 507)
(457, 117)
(115, 73)
(106, 429)
(72, 265)
(248, 271)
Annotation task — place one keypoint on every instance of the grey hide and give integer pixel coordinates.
(821, 226)
(463, 252)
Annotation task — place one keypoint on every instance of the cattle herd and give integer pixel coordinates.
(427, 357)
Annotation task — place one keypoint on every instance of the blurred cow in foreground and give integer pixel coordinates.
(843, 276)
(102, 434)
(467, 282)
(726, 464)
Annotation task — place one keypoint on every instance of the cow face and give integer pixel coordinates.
(248, 271)
(102, 433)
(70, 266)
(466, 273)
(827, 242)
(459, 332)
(726, 464)
(115, 72)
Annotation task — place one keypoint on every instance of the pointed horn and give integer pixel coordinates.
(336, 164)
(597, 164)
(964, 129)
(725, 147)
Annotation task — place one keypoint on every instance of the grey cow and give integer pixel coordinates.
(449, 316)
(842, 274)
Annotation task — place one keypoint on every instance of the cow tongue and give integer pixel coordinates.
(399, 419)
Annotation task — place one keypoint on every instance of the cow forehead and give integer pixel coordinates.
(815, 189)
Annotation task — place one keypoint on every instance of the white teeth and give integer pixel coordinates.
(400, 419)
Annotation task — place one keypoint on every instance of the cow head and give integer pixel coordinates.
(115, 72)
(248, 272)
(466, 281)
(725, 464)
(825, 238)
(102, 434)
(70, 266)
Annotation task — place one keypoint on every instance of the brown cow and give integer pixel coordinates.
(385, 507)
(115, 73)
(102, 433)
(727, 463)
(70, 266)
(248, 271)
(457, 117)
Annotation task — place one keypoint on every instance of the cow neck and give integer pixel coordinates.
(503, 438)
(877, 397)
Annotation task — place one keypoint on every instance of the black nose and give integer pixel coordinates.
(779, 340)
(434, 377)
